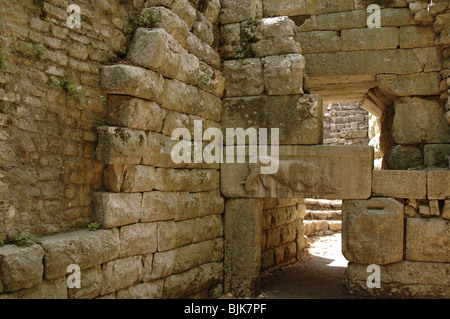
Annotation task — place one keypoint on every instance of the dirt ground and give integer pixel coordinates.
(318, 276)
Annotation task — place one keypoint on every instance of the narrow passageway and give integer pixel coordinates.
(317, 276)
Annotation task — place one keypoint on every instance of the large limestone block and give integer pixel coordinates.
(410, 84)
(146, 290)
(167, 179)
(134, 113)
(372, 230)
(399, 184)
(138, 178)
(181, 7)
(416, 37)
(324, 6)
(203, 28)
(91, 283)
(173, 234)
(299, 118)
(118, 145)
(419, 120)
(47, 289)
(158, 206)
(193, 281)
(121, 273)
(427, 239)
(20, 267)
(362, 62)
(436, 155)
(237, 11)
(370, 39)
(157, 50)
(342, 20)
(404, 157)
(84, 248)
(243, 77)
(116, 209)
(243, 240)
(438, 184)
(399, 280)
(304, 171)
(138, 239)
(319, 41)
(283, 75)
(133, 81)
(274, 8)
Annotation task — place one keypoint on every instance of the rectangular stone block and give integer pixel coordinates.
(324, 6)
(419, 120)
(181, 7)
(446, 210)
(438, 184)
(20, 267)
(410, 84)
(427, 239)
(120, 273)
(342, 20)
(138, 239)
(90, 284)
(416, 37)
(298, 118)
(304, 171)
(147, 290)
(370, 39)
(118, 145)
(138, 178)
(134, 113)
(372, 230)
(84, 248)
(237, 11)
(158, 206)
(399, 184)
(167, 179)
(319, 41)
(116, 209)
(133, 81)
(177, 234)
(283, 74)
(436, 155)
(243, 77)
(157, 50)
(274, 8)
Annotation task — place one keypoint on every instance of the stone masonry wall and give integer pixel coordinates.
(161, 229)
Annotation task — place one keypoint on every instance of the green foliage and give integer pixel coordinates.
(24, 240)
(4, 107)
(204, 80)
(240, 53)
(73, 91)
(93, 226)
(28, 49)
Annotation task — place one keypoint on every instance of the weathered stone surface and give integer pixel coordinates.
(157, 50)
(305, 171)
(116, 209)
(84, 248)
(20, 267)
(237, 11)
(438, 182)
(403, 157)
(427, 239)
(168, 179)
(436, 155)
(113, 177)
(446, 210)
(410, 84)
(118, 145)
(193, 280)
(319, 41)
(90, 284)
(298, 118)
(399, 184)
(284, 74)
(243, 77)
(120, 273)
(342, 20)
(243, 240)
(138, 178)
(133, 81)
(181, 7)
(430, 58)
(203, 29)
(324, 6)
(274, 8)
(157, 206)
(147, 290)
(138, 239)
(370, 39)
(372, 230)
(419, 120)
(177, 234)
(175, 120)
(134, 113)
(355, 62)
(396, 17)
(434, 208)
(48, 289)
(416, 37)
(401, 280)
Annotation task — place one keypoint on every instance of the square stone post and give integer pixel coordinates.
(243, 236)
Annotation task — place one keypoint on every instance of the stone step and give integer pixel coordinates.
(323, 215)
(322, 227)
(323, 204)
